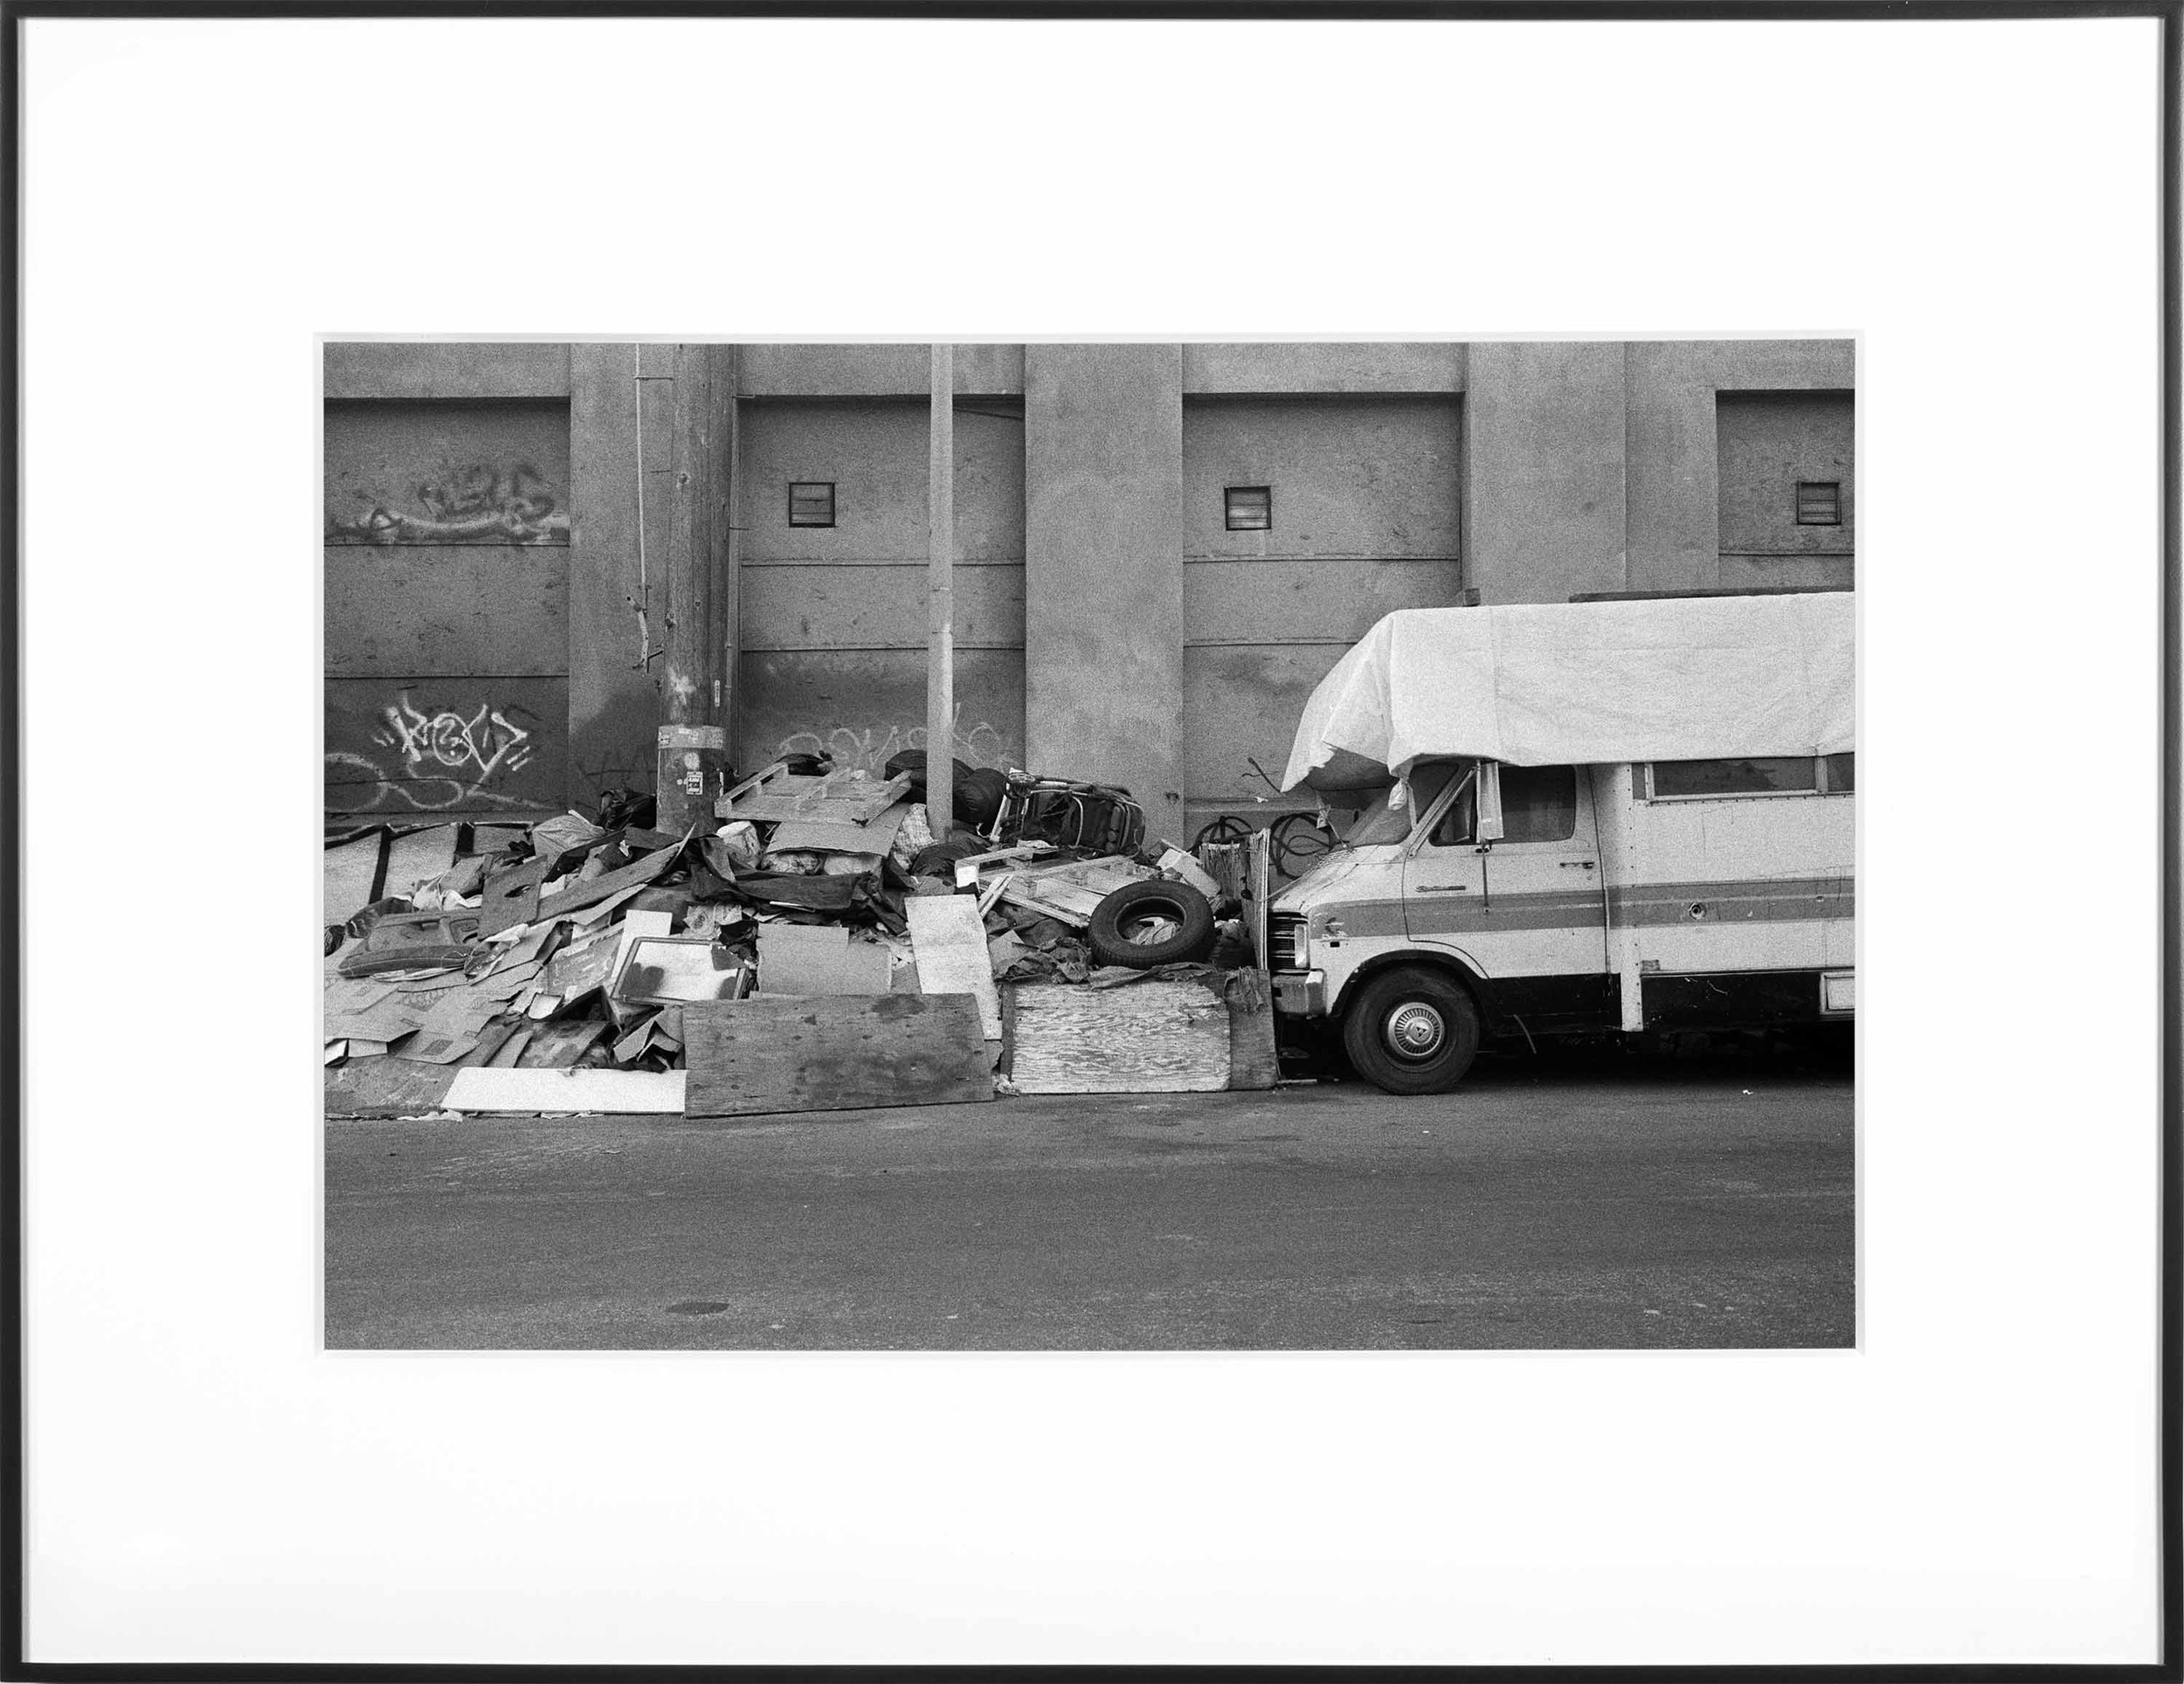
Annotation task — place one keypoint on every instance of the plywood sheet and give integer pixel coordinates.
(951, 943)
(1254, 1061)
(386, 1088)
(1145, 1038)
(758, 1057)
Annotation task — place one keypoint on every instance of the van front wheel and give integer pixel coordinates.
(1411, 1031)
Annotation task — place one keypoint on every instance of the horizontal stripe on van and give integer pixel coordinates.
(1644, 906)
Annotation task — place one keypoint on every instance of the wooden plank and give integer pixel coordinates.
(442, 611)
(830, 836)
(635, 875)
(386, 1088)
(848, 797)
(1254, 1061)
(1072, 905)
(1144, 1038)
(1260, 900)
(617, 1093)
(967, 870)
(444, 369)
(952, 957)
(401, 748)
(760, 1056)
(406, 473)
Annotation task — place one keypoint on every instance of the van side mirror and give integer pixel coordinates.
(1490, 829)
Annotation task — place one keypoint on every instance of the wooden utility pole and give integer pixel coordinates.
(940, 620)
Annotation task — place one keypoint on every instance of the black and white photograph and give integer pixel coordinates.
(1397, 889)
(1064, 836)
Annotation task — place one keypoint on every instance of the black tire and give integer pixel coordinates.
(1412, 1031)
(1153, 923)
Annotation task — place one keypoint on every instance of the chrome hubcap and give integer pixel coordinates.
(1414, 1030)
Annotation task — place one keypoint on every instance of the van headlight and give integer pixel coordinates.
(1286, 943)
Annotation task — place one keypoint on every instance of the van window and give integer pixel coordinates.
(1385, 822)
(1676, 780)
(1539, 803)
(1460, 824)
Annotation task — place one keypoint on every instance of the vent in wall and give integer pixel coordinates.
(812, 503)
(1819, 502)
(1250, 508)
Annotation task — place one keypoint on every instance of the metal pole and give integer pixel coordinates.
(940, 625)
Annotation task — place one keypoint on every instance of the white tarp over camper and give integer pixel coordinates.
(1689, 677)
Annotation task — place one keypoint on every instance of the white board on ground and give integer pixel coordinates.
(652, 1093)
(950, 939)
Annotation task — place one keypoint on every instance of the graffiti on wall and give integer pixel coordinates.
(868, 749)
(474, 503)
(434, 761)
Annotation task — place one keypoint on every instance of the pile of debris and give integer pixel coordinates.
(598, 963)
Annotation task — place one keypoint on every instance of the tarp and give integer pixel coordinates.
(1694, 677)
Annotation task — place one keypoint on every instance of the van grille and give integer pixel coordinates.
(1285, 941)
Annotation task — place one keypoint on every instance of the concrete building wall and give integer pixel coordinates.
(833, 619)
(1110, 625)
(1103, 570)
(1544, 428)
(1675, 387)
(446, 531)
(1366, 515)
(1767, 443)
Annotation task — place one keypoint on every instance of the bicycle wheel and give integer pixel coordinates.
(1298, 843)
(1227, 828)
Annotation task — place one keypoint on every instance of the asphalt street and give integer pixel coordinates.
(1543, 1205)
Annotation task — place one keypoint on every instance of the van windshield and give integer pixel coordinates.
(1384, 823)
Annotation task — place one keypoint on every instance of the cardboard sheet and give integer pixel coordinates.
(808, 960)
(1701, 678)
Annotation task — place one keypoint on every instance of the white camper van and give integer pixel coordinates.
(1610, 815)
